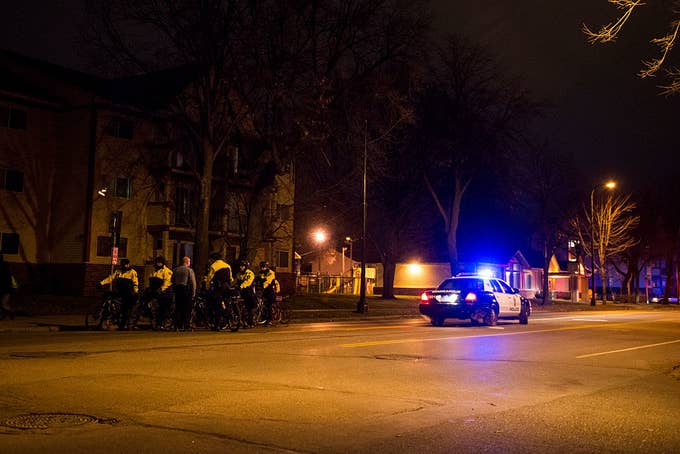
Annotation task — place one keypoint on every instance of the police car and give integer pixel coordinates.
(479, 298)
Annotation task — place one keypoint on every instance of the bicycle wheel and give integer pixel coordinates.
(100, 318)
(199, 316)
(93, 319)
(233, 316)
(275, 313)
(258, 313)
(284, 310)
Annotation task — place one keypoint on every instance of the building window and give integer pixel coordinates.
(158, 241)
(284, 212)
(13, 118)
(184, 206)
(12, 180)
(119, 127)
(121, 188)
(233, 218)
(9, 243)
(104, 246)
(282, 259)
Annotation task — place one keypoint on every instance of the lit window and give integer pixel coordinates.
(414, 268)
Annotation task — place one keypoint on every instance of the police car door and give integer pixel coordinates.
(501, 297)
(513, 300)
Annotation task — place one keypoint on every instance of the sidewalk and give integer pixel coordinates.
(76, 322)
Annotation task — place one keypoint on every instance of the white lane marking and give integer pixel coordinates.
(628, 349)
(446, 338)
(589, 320)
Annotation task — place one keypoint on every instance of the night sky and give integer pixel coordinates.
(616, 124)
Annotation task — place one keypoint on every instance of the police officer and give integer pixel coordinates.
(125, 283)
(159, 286)
(218, 282)
(244, 283)
(265, 280)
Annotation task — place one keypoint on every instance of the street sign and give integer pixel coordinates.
(114, 256)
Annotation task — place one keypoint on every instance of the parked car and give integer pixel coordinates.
(482, 299)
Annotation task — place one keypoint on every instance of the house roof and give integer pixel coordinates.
(152, 90)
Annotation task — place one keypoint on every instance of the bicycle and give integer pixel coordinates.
(151, 307)
(108, 313)
(281, 310)
(199, 311)
(233, 312)
(259, 317)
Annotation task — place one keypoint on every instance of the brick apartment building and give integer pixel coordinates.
(74, 150)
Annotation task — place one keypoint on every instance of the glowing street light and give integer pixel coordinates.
(320, 237)
(610, 185)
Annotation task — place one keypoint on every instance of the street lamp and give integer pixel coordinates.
(319, 236)
(362, 305)
(349, 240)
(608, 185)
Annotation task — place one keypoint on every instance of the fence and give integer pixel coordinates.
(338, 285)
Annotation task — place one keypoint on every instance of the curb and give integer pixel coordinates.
(26, 326)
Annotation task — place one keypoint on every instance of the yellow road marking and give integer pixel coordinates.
(628, 349)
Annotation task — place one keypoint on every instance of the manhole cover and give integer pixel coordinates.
(396, 357)
(47, 421)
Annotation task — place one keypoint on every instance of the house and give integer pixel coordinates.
(412, 278)
(77, 151)
(568, 280)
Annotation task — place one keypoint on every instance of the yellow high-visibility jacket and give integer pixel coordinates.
(245, 279)
(130, 274)
(165, 274)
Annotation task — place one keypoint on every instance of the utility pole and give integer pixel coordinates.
(362, 305)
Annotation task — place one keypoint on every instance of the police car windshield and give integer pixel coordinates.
(462, 284)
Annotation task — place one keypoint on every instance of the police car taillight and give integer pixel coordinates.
(470, 298)
(424, 298)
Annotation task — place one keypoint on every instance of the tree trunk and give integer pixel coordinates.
(603, 275)
(388, 279)
(670, 277)
(202, 249)
(452, 233)
(546, 281)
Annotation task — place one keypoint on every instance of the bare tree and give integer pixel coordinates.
(542, 191)
(613, 222)
(269, 70)
(191, 40)
(666, 43)
(470, 117)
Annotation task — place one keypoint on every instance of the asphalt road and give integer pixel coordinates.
(569, 382)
